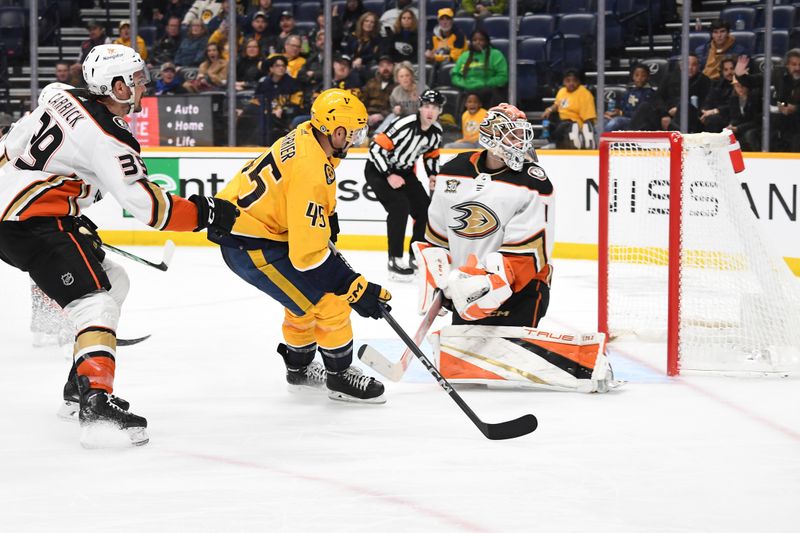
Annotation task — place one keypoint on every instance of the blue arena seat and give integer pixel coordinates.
(496, 26)
(537, 26)
(743, 16)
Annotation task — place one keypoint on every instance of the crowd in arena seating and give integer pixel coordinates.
(279, 69)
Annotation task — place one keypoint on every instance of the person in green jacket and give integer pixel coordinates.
(481, 9)
(482, 69)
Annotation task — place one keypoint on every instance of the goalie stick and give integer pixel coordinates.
(395, 371)
(169, 250)
(503, 430)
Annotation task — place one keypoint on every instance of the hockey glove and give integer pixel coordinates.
(214, 213)
(366, 297)
(87, 232)
(477, 292)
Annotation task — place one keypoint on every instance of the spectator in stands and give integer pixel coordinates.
(349, 17)
(162, 15)
(721, 44)
(402, 43)
(220, 38)
(62, 74)
(222, 15)
(481, 69)
(662, 112)
(364, 43)
(390, 16)
(481, 9)
(470, 123)
(745, 114)
(273, 15)
(193, 47)
(635, 95)
(292, 46)
(257, 29)
(249, 69)
(213, 72)
(167, 46)
(206, 10)
(277, 100)
(404, 99)
(447, 42)
(787, 92)
(125, 38)
(714, 113)
(97, 35)
(575, 112)
(169, 82)
(343, 75)
(376, 93)
(310, 77)
(287, 27)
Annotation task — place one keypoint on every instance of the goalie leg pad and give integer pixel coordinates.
(520, 357)
(434, 268)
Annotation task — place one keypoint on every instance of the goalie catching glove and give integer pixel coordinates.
(477, 291)
(365, 297)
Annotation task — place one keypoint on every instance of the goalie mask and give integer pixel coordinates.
(507, 134)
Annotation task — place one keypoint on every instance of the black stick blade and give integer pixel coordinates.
(511, 429)
(131, 342)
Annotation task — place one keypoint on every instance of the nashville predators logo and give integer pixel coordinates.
(474, 220)
(330, 176)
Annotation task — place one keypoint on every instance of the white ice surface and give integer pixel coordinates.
(232, 450)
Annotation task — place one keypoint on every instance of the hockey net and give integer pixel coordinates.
(683, 260)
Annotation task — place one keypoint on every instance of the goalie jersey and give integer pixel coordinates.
(71, 152)
(475, 211)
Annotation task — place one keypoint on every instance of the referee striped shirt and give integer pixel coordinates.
(399, 147)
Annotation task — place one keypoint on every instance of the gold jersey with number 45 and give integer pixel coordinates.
(287, 194)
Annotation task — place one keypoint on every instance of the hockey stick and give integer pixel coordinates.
(504, 430)
(169, 249)
(131, 342)
(395, 371)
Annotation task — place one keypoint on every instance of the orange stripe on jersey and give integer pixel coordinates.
(83, 255)
(184, 215)
(431, 154)
(161, 204)
(54, 194)
(384, 141)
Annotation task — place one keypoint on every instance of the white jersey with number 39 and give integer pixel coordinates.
(69, 153)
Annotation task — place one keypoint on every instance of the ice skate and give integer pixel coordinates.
(303, 378)
(412, 263)
(398, 272)
(352, 385)
(69, 409)
(104, 425)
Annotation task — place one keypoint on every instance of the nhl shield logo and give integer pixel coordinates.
(67, 279)
(451, 185)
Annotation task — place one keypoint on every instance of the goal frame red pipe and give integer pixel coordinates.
(675, 142)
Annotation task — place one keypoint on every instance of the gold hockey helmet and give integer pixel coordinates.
(335, 108)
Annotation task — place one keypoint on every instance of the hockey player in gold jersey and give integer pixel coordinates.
(279, 244)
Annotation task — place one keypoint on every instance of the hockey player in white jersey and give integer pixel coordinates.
(490, 243)
(73, 150)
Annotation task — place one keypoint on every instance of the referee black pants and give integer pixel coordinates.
(412, 198)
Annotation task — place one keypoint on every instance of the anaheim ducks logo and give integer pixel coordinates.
(475, 220)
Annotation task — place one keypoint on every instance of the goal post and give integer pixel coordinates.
(681, 258)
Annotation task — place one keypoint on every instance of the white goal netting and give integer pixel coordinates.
(738, 302)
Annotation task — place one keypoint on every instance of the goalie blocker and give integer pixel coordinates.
(522, 357)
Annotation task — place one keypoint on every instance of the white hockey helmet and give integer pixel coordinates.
(49, 89)
(106, 62)
(507, 134)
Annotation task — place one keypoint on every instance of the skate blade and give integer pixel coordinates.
(107, 435)
(68, 411)
(305, 389)
(393, 276)
(342, 397)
